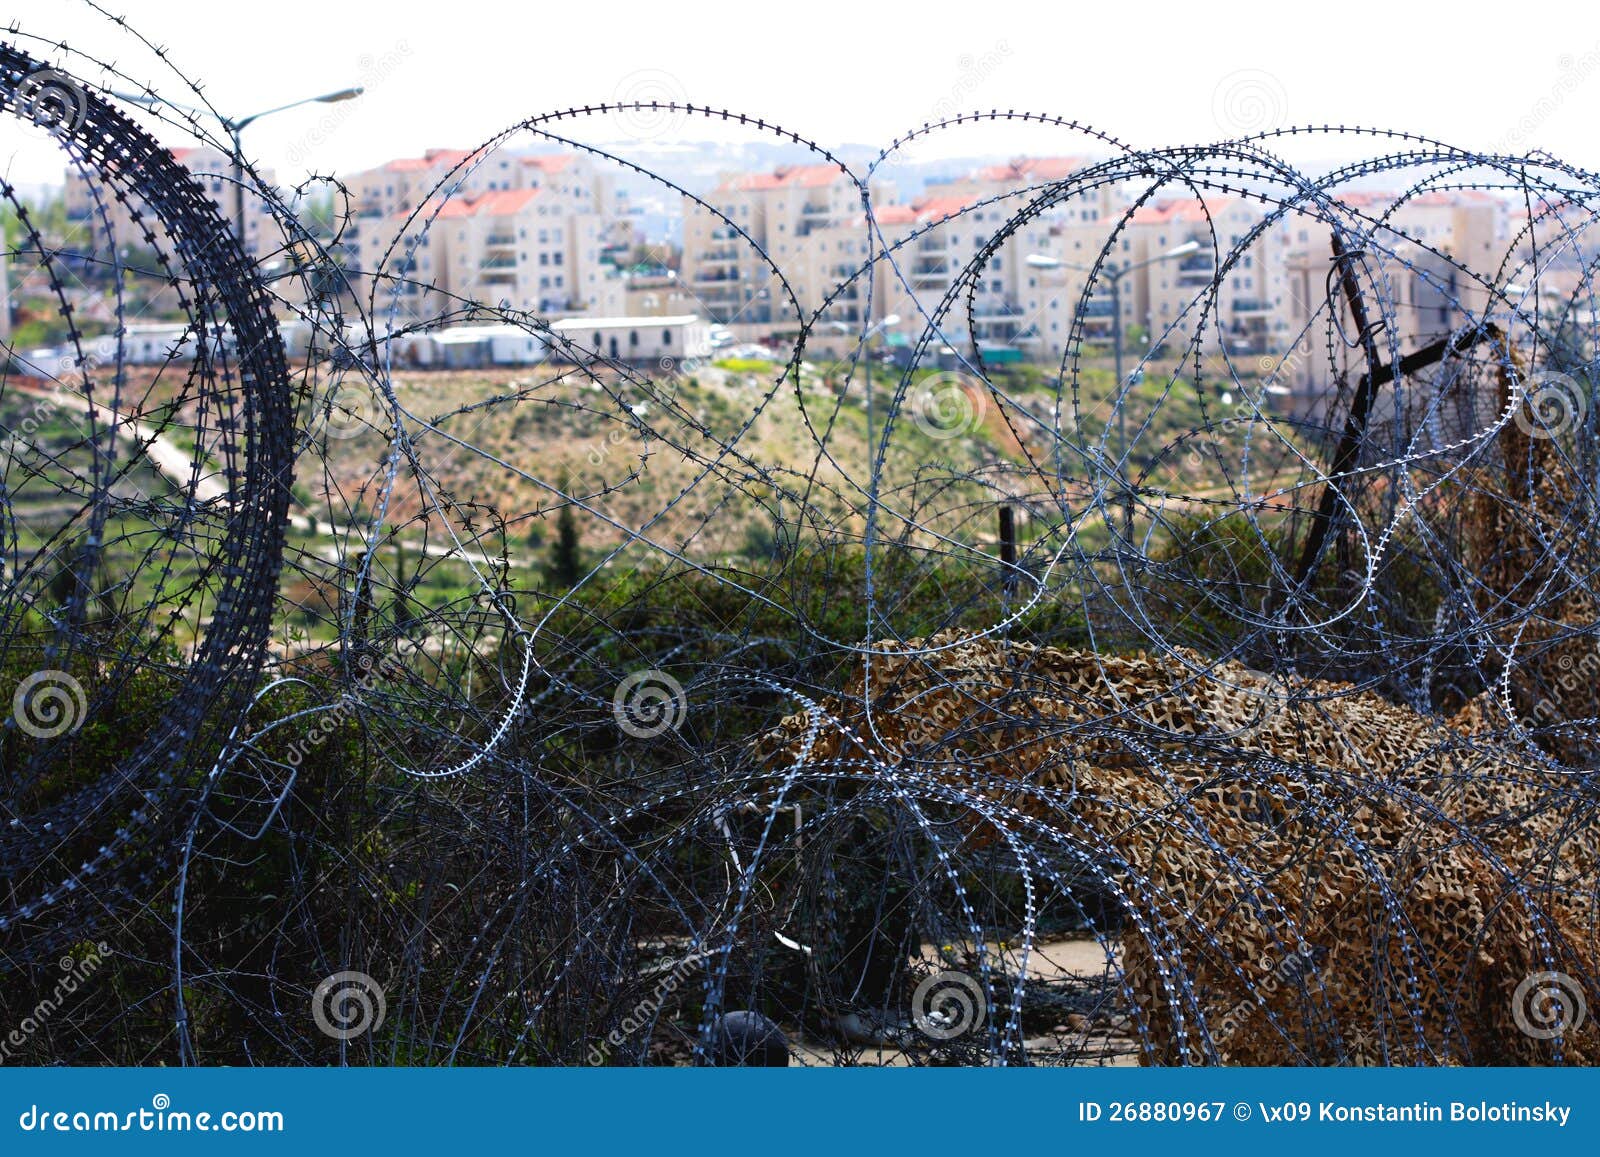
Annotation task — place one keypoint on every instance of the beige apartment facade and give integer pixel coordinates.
(90, 210)
(452, 228)
(810, 221)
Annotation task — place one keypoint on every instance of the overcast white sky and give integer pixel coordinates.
(442, 73)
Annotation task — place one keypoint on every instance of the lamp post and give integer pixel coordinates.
(234, 127)
(882, 325)
(1115, 274)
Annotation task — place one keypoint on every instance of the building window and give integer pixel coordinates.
(666, 337)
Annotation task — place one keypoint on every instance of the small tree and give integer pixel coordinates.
(566, 555)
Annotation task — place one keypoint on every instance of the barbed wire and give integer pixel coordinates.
(1235, 707)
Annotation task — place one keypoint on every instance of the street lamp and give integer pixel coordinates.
(882, 325)
(1114, 274)
(235, 127)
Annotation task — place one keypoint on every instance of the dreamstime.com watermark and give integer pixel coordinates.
(973, 70)
(1547, 1005)
(948, 405)
(1249, 101)
(360, 411)
(1553, 404)
(347, 1004)
(653, 104)
(331, 720)
(74, 974)
(52, 100)
(1293, 969)
(1572, 73)
(649, 703)
(1240, 413)
(160, 1117)
(949, 1004)
(374, 71)
(646, 1011)
(665, 393)
(48, 704)
(1570, 674)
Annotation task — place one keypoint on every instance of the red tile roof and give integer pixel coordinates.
(503, 202)
(446, 210)
(811, 176)
(1362, 199)
(784, 177)
(447, 158)
(1033, 169)
(1182, 211)
(1455, 197)
(552, 163)
(940, 208)
(895, 215)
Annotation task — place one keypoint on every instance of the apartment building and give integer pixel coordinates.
(956, 225)
(407, 182)
(658, 293)
(944, 250)
(1271, 297)
(810, 221)
(90, 208)
(535, 233)
(1159, 297)
(1249, 309)
(520, 249)
(1549, 275)
(1416, 258)
(1426, 244)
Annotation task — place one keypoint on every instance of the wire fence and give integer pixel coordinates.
(1229, 700)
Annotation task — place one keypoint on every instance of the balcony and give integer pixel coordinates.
(495, 264)
(723, 256)
(500, 241)
(707, 277)
(1097, 317)
(996, 310)
(1197, 270)
(1250, 307)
